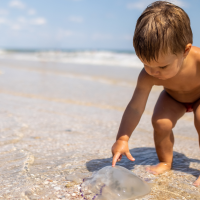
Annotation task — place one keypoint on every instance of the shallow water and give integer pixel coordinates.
(54, 125)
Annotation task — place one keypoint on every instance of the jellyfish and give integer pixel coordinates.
(114, 183)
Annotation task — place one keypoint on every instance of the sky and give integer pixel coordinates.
(78, 24)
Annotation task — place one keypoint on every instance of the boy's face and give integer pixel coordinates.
(167, 65)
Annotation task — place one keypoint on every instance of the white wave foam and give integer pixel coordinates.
(84, 57)
(2, 52)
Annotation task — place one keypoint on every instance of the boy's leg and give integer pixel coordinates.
(196, 109)
(166, 113)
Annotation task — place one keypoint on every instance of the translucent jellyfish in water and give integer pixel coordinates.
(114, 183)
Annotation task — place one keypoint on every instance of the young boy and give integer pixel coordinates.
(163, 42)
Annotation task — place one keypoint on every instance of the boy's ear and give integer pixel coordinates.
(187, 49)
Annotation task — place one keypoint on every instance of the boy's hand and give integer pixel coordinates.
(120, 148)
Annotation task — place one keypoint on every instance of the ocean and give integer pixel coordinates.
(99, 57)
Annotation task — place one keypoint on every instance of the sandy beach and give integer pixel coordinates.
(60, 118)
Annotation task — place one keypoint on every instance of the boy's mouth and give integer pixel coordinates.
(158, 77)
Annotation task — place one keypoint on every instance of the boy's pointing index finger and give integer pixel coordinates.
(115, 158)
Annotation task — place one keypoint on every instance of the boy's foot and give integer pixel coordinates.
(159, 168)
(197, 182)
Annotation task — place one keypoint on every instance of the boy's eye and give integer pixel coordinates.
(163, 67)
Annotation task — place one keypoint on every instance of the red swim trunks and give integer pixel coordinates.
(189, 106)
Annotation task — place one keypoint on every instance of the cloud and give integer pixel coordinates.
(31, 11)
(137, 5)
(178, 3)
(22, 23)
(16, 27)
(3, 12)
(62, 34)
(22, 20)
(17, 4)
(39, 21)
(101, 36)
(142, 4)
(3, 20)
(76, 19)
(127, 37)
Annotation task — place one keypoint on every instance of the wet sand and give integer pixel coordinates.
(61, 119)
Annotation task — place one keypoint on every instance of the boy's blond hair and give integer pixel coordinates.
(162, 28)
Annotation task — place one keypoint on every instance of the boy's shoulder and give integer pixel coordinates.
(144, 79)
(196, 53)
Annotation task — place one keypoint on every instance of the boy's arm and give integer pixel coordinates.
(131, 116)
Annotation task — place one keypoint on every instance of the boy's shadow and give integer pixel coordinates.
(146, 156)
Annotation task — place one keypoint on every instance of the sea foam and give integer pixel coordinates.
(109, 58)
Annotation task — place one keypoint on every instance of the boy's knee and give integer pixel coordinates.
(162, 125)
